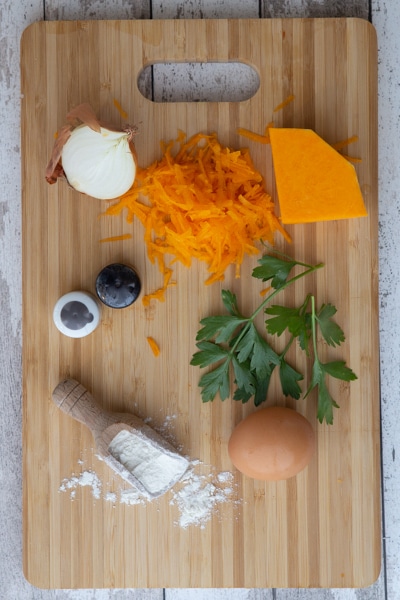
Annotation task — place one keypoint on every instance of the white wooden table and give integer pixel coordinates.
(14, 17)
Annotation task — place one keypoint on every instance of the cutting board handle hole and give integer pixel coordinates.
(198, 82)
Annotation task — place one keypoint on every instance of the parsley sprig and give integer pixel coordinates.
(232, 342)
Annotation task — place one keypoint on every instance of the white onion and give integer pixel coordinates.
(92, 156)
(100, 165)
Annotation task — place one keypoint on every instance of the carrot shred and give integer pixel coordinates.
(153, 345)
(344, 143)
(254, 137)
(205, 202)
(116, 238)
(158, 294)
(288, 100)
(352, 159)
(119, 108)
(265, 291)
(268, 127)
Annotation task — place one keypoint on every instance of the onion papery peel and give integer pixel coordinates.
(204, 201)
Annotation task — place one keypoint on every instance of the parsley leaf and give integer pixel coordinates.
(275, 269)
(244, 378)
(242, 395)
(215, 381)
(336, 368)
(289, 378)
(208, 354)
(285, 318)
(325, 403)
(331, 332)
(264, 358)
(296, 320)
(253, 346)
(262, 386)
(260, 391)
(230, 302)
(220, 327)
(247, 342)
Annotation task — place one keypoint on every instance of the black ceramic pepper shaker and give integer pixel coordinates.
(118, 285)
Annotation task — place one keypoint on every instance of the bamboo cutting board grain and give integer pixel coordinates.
(320, 529)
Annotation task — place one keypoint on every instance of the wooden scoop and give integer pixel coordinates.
(74, 399)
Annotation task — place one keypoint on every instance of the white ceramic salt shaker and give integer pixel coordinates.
(76, 314)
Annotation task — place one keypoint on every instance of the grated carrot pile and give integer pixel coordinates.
(204, 202)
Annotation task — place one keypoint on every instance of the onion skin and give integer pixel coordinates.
(82, 114)
(54, 168)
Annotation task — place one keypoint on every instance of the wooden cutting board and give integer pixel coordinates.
(320, 529)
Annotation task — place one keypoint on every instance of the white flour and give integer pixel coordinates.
(110, 497)
(196, 496)
(156, 470)
(131, 497)
(85, 479)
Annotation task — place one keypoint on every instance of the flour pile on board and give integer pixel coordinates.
(196, 497)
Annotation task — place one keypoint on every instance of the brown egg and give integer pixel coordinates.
(272, 443)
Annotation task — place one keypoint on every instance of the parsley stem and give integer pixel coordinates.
(286, 348)
(311, 269)
(299, 263)
(313, 328)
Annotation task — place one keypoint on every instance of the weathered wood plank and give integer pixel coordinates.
(209, 9)
(58, 10)
(314, 9)
(386, 18)
(218, 594)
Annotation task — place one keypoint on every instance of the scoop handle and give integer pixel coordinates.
(75, 400)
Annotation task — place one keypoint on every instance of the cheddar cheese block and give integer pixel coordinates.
(314, 182)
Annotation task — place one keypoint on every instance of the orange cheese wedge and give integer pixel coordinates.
(314, 182)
